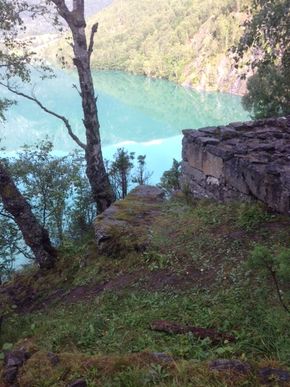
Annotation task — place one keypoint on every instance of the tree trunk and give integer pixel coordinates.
(96, 172)
(34, 235)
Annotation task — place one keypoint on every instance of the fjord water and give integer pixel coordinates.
(143, 115)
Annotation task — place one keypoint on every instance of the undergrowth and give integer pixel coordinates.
(195, 271)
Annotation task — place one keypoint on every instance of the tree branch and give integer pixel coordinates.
(77, 89)
(6, 215)
(44, 108)
(93, 32)
(275, 280)
(62, 9)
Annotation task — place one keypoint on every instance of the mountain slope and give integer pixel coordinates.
(182, 41)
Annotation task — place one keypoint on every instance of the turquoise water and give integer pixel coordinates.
(143, 115)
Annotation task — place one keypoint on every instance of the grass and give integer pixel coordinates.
(194, 271)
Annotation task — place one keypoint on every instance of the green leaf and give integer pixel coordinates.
(7, 346)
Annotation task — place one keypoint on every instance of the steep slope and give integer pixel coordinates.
(183, 41)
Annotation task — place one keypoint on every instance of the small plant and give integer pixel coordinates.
(141, 175)
(119, 171)
(156, 261)
(169, 181)
(251, 215)
(156, 374)
(277, 266)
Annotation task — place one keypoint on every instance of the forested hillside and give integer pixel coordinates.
(185, 41)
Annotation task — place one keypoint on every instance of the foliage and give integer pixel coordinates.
(178, 40)
(268, 92)
(266, 36)
(141, 175)
(120, 171)
(252, 215)
(170, 180)
(193, 272)
(58, 192)
(276, 265)
(16, 54)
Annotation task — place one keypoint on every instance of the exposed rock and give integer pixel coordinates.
(78, 383)
(176, 328)
(12, 362)
(269, 375)
(161, 356)
(10, 374)
(230, 365)
(54, 359)
(125, 226)
(244, 160)
(16, 358)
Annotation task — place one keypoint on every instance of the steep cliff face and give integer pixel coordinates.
(245, 161)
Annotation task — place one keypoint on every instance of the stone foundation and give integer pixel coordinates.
(241, 161)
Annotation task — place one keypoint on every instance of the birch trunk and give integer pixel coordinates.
(34, 235)
(97, 175)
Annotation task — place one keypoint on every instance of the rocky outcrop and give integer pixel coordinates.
(244, 160)
(125, 226)
(13, 361)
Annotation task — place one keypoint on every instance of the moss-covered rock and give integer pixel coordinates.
(125, 226)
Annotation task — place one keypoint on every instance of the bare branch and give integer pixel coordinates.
(93, 32)
(6, 215)
(44, 108)
(77, 89)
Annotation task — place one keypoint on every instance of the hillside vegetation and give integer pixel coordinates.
(184, 41)
(90, 317)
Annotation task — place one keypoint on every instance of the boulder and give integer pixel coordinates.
(124, 227)
(269, 375)
(222, 365)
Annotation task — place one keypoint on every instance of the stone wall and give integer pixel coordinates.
(244, 160)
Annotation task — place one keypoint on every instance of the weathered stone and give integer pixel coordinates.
(212, 165)
(172, 327)
(234, 175)
(10, 374)
(242, 160)
(237, 125)
(207, 140)
(54, 359)
(269, 375)
(194, 173)
(117, 230)
(12, 362)
(209, 130)
(212, 181)
(224, 153)
(227, 133)
(222, 365)
(78, 383)
(16, 358)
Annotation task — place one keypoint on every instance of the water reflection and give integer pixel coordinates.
(131, 108)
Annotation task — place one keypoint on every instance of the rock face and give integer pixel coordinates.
(244, 160)
(125, 226)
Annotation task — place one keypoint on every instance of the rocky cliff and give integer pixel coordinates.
(244, 160)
